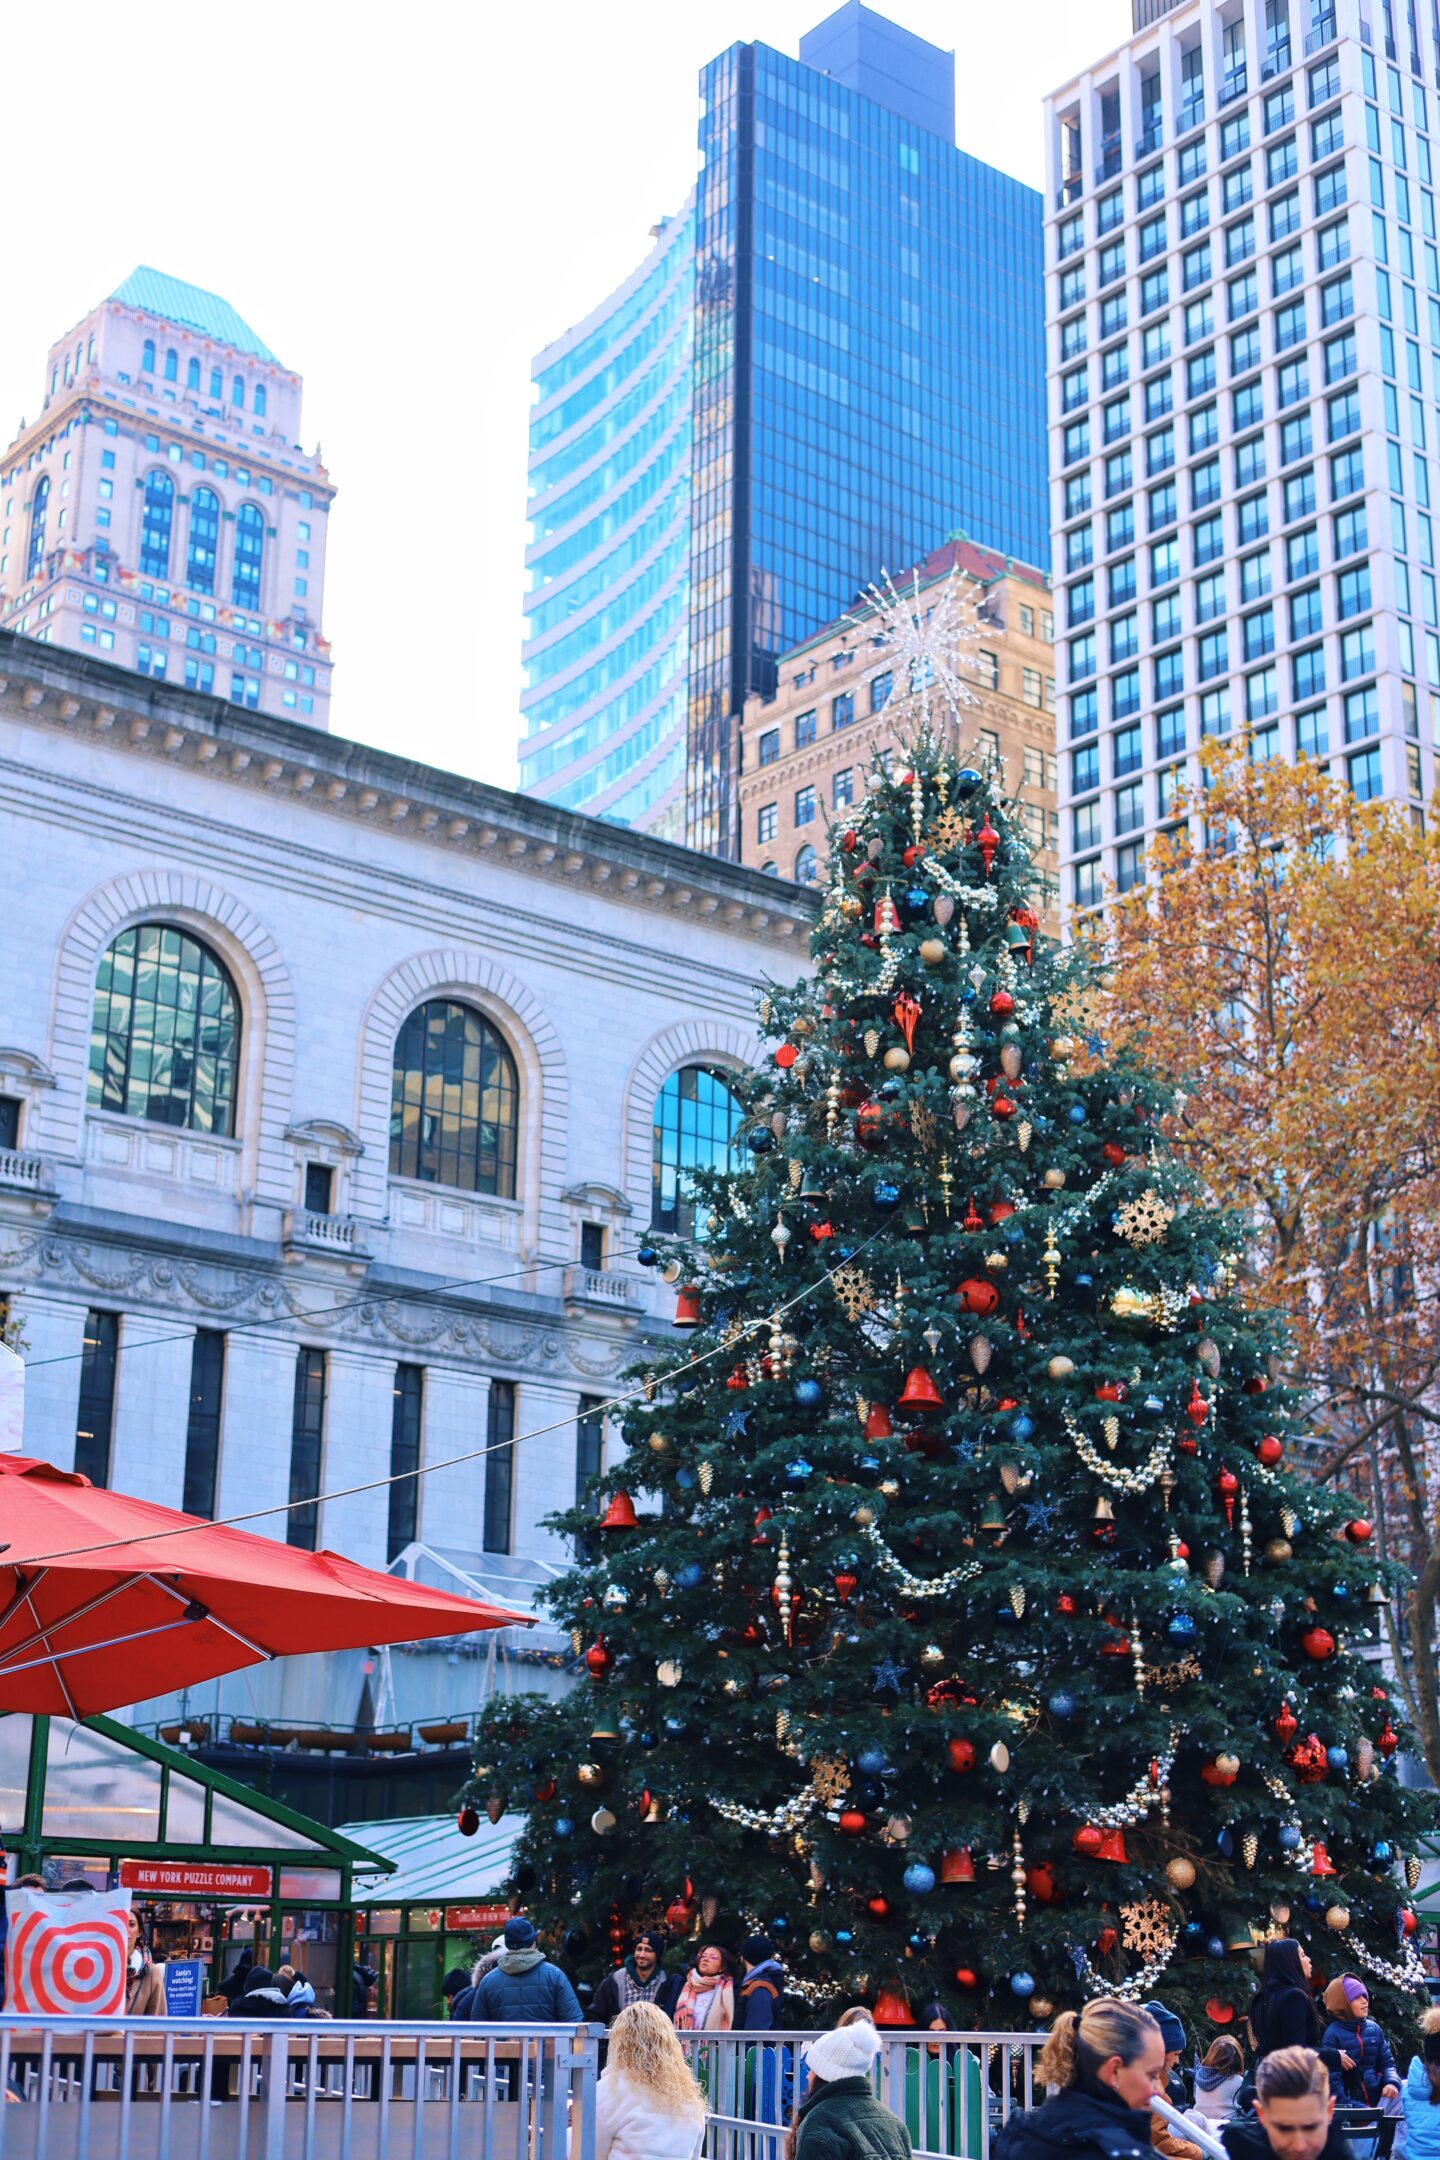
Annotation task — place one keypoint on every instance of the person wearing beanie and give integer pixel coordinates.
(757, 2007)
(1363, 2072)
(1421, 2097)
(642, 1978)
(1165, 2140)
(840, 2117)
(524, 1988)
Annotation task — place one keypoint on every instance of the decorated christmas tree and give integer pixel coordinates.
(954, 1614)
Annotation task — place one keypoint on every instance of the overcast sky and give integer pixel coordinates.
(405, 204)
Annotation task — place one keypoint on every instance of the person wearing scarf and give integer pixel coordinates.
(642, 1978)
(706, 2002)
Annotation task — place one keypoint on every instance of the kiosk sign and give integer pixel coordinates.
(194, 1878)
(475, 1919)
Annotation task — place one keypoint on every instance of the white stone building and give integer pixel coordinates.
(328, 1123)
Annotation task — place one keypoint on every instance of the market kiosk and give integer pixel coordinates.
(441, 1907)
(216, 1869)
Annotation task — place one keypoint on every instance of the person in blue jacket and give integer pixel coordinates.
(524, 1988)
(1422, 2094)
(757, 2002)
(1368, 2075)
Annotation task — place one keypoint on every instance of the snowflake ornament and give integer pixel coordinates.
(1144, 1220)
(932, 642)
(1147, 1926)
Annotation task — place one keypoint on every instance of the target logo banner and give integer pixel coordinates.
(66, 1956)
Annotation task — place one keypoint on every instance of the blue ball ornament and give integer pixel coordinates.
(675, 1727)
(1215, 1948)
(1192, 1932)
(647, 1256)
(919, 1941)
(869, 1466)
(871, 1761)
(684, 1478)
(1022, 1427)
(966, 781)
(844, 1937)
(1023, 1985)
(1062, 1704)
(1153, 1406)
(1085, 1282)
(919, 1880)
(691, 1575)
(798, 1471)
(1076, 1113)
(760, 1139)
(1006, 1613)
(779, 1925)
(1288, 1837)
(1382, 1853)
(647, 1739)
(563, 1826)
(917, 899)
(1336, 1758)
(1180, 1627)
(886, 1196)
(808, 1393)
(1226, 1843)
(1340, 1591)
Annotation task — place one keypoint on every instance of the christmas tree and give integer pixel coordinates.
(954, 1615)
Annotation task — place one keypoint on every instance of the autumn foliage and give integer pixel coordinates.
(1284, 973)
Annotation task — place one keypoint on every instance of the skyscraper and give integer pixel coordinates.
(161, 511)
(1244, 303)
(862, 357)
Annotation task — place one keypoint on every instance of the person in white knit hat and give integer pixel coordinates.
(840, 2117)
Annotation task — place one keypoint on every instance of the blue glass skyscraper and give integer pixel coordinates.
(866, 360)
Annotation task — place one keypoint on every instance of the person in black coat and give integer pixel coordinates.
(1283, 2011)
(1294, 2112)
(1104, 2064)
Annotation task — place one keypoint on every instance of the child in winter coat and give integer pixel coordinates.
(1422, 2094)
(1217, 2080)
(1368, 2075)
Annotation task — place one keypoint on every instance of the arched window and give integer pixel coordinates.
(204, 540)
(155, 522)
(172, 364)
(455, 1101)
(695, 1120)
(216, 383)
(165, 1037)
(147, 357)
(249, 549)
(39, 503)
(192, 375)
(237, 391)
(259, 399)
(807, 865)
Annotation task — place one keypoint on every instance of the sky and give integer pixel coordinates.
(406, 204)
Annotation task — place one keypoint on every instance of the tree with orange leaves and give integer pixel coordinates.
(1283, 971)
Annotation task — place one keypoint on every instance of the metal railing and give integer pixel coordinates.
(953, 2091)
(294, 2089)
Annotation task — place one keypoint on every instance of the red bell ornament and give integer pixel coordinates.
(887, 920)
(687, 1306)
(1269, 1451)
(620, 1514)
(877, 1423)
(1041, 1884)
(957, 1866)
(920, 1392)
(1227, 1485)
(891, 2007)
(1359, 1532)
(987, 840)
(961, 1754)
(1088, 1839)
(1321, 1863)
(878, 1907)
(977, 1296)
(852, 1822)
(1112, 1847)
(1318, 1643)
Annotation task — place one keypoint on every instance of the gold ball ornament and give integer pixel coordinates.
(658, 1443)
(669, 1672)
(863, 1517)
(1279, 1550)
(1041, 2009)
(819, 1942)
(590, 1773)
(1060, 1368)
(1061, 1049)
(897, 1060)
(1180, 1873)
(1052, 1181)
(890, 1487)
(1338, 1918)
(933, 951)
(1228, 1765)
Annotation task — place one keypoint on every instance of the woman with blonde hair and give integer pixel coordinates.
(1103, 2065)
(647, 2103)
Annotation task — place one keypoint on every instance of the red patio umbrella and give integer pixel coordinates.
(106, 1600)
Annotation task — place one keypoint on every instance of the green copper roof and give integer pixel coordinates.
(190, 307)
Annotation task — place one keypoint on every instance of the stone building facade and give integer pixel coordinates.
(807, 749)
(278, 1248)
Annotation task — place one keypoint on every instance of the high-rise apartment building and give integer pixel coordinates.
(1244, 322)
(847, 322)
(809, 746)
(161, 512)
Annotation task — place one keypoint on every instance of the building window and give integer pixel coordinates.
(192, 375)
(319, 1189)
(1032, 688)
(1365, 776)
(204, 540)
(217, 386)
(249, 552)
(9, 1121)
(589, 1443)
(155, 524)
(842, 787)
(770, 746)
(1129, 865)
(147, 357)
(405, 1426)
(694, 1121)
(987, 669)
(766, 819)
(807, 866)
(805, 806)
(880, 689)
(454, 1102)
(259, 399)
(498, 1533)
(237, 391)
(592, 1247)
(165, 1033)
(804, 729)
(35, 552)
(202, 1432)
(307, 1448)
(95, 1416)
(172, 365)
(842, 709)
(1086, 883)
